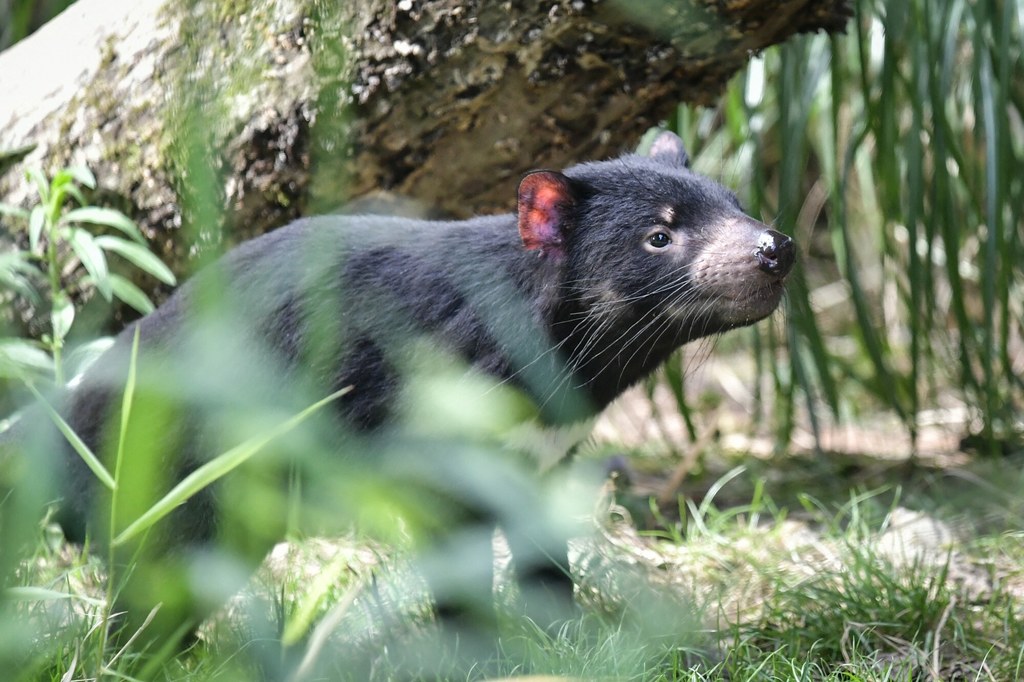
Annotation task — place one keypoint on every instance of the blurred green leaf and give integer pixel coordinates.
(62, 316)
(84, 355)
(216, 469)
(301, 621)
(82, 175)
(10, 157)
(17, 212)
(42, 186)
(15, 269)
(20, 358)
(32, 593)
(125, 291)
(36, 223)
(77, 443)
(140, 256)
(105, 216)
(76, 193)
(84, 246)
(126, 409)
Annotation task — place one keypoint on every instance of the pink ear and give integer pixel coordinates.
(545, 202)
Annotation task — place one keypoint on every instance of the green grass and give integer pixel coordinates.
(750, 593)
(19, 18)
(894, 156)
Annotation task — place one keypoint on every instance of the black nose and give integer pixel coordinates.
(775, 253)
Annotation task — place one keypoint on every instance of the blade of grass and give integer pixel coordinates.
(107, 217)
(919, 285)
(33, 593)
(216, 469)
(300, 622)
(126, 410)
(77, 443)
(1006, 169)
(946, 58)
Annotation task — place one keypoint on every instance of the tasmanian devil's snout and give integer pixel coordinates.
(739, 273)
(775, 253)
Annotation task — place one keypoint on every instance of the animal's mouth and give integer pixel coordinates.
(741, 305)
(757, 291)
(770, 290)
(737, 305)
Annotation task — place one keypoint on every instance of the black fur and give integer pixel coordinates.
(588, 310)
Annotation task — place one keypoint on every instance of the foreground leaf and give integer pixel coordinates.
(31, 593)
(62, 316)
(105, 216)
(84, 246)
(14, 270)
(36, 222)
(16, 211)
(82, 175)
(77, 443)
(19, 357)
(39, 180)
(125, 291)
(139, 256)
(216, 469)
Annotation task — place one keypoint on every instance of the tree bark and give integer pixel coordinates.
(233, 118)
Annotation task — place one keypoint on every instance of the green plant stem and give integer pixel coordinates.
(53, 270)
(126, 408)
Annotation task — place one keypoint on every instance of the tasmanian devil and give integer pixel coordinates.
(604, 270)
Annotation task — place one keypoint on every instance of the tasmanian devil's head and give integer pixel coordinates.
(651, 250)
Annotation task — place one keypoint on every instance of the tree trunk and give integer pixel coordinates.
(245, 115)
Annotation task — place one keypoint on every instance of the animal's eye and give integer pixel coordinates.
(659, 240)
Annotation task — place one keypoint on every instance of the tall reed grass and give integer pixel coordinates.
(898, 151)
